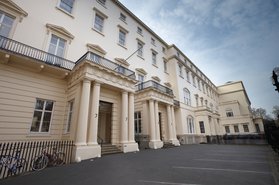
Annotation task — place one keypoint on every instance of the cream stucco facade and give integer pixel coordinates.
(92, 72)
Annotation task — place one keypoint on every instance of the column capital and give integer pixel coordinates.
(124, 92)
(86, 80)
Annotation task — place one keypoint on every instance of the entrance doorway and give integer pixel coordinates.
(104, 123)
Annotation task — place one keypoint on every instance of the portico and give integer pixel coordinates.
(94, 83)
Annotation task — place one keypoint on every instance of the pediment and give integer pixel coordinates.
(167, 84)
(13, 7)
(156, 78)
(141, 70)
(122, 61)
(60, 30)
(97, 48)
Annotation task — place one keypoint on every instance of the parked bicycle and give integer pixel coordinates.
(45, 159)
(13, 164)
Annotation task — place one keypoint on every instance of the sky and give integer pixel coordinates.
(228, 40)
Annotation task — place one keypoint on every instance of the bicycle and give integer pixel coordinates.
(14, 164)
(45, 159)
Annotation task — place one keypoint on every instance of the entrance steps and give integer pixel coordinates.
(168, 145)
(107, 149)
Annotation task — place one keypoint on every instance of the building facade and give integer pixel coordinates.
(92, 72)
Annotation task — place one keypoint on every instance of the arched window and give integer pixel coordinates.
(187, 96)
(190, 125)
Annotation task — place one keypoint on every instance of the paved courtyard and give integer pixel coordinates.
(185, 165)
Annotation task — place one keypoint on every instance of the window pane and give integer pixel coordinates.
(36, 121)
(46, 122)
(6, 23)
(39, 104)
(67, 5)
(49, 105)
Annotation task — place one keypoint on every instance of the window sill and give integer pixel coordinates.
(121, 45)
(154, 44)
(98, 32)
(39, 134)
(141, 57)
(123, 20)
(65, 12)
(140, 34)
(166, 72)
(181, 76)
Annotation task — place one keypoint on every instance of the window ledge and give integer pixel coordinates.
(65, 12)
(98, 31)
(121, 45)
(140, 34)
(166, 72)
(141, 57)
(154, 44)
(39, 134)
(181, 76)
(123, 20)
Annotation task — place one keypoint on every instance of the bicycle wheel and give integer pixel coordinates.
(20, 165)
(39, 163)
(60, 160)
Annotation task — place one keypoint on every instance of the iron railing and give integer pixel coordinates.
(28, 150)
(152, 84)
(176, 103)
(96, 59)
(34, 53)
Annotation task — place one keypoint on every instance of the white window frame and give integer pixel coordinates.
(122, 37)
(236, 129)
(180, 70)
(140, 51)
(69, 116)
(154, 58)
(43, 111)
(138, 122)
(229, 113)
(139, 31)
(246, 128)
(165, 66)
(190, 125)
(65, 10)
(187, 96)
(99, 26)
(227, 129)
(122, 17)
(59, 39)
(4, 14)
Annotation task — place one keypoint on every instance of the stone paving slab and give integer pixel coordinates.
(184, 165)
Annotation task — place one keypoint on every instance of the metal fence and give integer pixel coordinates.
(28, 150)
(96, 59)
(31, 52)
(155, 85)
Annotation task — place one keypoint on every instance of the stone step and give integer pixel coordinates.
(107, 149)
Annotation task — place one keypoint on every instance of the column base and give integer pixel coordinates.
(130, 147)
(175, 142)
(83, 152)
(155, 144)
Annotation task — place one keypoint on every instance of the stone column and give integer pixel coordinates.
(124, 118)
(152, 120)
(173, 124)
(157, 126)
(169, 122)
(131, 117)
(93, 127)
(81, 134)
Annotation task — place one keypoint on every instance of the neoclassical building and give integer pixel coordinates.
(92, 72)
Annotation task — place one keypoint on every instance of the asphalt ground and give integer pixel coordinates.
(184, 165)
